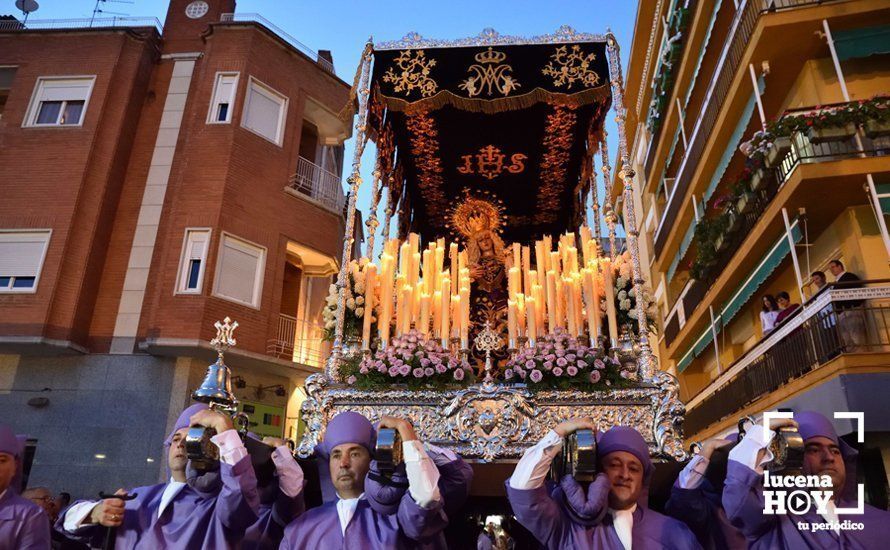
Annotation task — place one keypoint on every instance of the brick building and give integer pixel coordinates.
(155, 180)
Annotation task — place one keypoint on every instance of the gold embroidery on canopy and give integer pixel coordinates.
(567, 67)
(490, 74)
(413, 74)
(489, 163)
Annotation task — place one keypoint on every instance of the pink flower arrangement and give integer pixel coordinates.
(410, 359)
(561, 362)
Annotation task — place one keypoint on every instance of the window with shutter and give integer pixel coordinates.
(223, 98)
(59, 101)
(264, 111)
(239, 272)
(196, 243)
(21, 259)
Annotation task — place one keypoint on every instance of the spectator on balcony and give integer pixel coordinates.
(786, 308)
(819, 281)
(769, 313)
(851, 318)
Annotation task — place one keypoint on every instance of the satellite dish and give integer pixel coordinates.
(27, 6)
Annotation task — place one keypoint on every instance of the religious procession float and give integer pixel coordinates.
(493, 298)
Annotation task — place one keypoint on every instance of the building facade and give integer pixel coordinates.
(728, 213)
(156, 180)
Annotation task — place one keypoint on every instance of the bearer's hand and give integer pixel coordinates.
(212, 419)
(274, 442)
(575, 424)
(405, 429)
(109, 512)
(711, 445)
(776, 423)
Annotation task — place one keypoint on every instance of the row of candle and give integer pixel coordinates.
(417, 290)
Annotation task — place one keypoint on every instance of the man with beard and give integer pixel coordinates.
(351, 522)
(825, 455)
(612, 513)
(23, 525)
(182, 513)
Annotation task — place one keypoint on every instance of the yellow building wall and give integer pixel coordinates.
(817, 82)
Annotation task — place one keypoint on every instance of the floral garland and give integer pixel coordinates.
(625, 296)
(354, 314)
(561, 362)
(410, 359)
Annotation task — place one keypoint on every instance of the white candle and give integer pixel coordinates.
(609, 291)
(423, 324)
(511, 324)
(444, 324)
(532, 315)
(370, 282)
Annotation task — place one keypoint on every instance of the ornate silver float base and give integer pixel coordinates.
(498, 422)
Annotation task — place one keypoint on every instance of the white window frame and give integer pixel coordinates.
(254, 85)
(185, 260)
(30, 120)
(215, 99)
(4, 235)
(260, 275)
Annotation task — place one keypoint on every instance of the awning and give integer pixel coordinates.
(862, 42)
(744, 293)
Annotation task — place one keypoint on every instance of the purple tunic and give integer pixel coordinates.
(368, 529)
(701, 511)
(537, 511)
(268, 530)
(23, 524)
(192, 520)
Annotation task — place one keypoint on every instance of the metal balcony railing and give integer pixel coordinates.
(298, 341)
(257, 18)
(316, 183)
(841, 319)
(85, 23)
(803, 151)
(737, 41)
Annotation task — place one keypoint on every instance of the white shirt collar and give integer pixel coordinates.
(623, 522)
(346, 510)
(172, 489)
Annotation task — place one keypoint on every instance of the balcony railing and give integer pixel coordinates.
(738, 38)
(85, 23)
(803, 151)
(298, 341)
(839, 320)
(316, 183)
(257, 18)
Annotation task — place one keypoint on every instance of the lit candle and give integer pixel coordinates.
(517, 255)
(436, 307)
(609, 291)
(554, 264)
(452, 255)
(532, 315)
(370, 281)
(465, 317)
(570, 305)
(407, 313)
(385, 310)
(520, 314)
(591, 306)
(415, 268)
(551, 301)
(511, 324)
(404, 259)
(560, 303)
(526, 267)
(423, 324)
(540, 299)
(456, 319)
(513, 282)
(444, 324)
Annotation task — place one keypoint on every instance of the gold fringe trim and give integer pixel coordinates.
(499, 105)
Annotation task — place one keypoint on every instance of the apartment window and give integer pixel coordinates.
(59, 101)
(194, 259)
(21, 259)
(239, 271)
(223, 98)
(264, 111)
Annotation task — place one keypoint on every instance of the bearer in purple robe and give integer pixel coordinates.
(203, 511)
(571, 517)
(23, 524)
(351, 522)
(825, 455)
(281, 498)
(695, 498)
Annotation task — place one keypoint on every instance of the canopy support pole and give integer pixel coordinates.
(355, 181)
(647, 367)
(387, 212)
(608, 210)
(595, 204)
(371, 223)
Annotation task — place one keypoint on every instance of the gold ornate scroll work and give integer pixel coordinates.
(568, 67)
(413, 74)
(490, 75)
(489, 163)
(557, 146)
(425, 148)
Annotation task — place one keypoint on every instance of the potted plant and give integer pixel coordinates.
(744, 201)
(875, 128)
(758, 179)
(779, 149)
(826, 134)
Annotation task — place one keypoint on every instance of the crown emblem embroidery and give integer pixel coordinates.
(490, 75)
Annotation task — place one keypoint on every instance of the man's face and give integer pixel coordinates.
(835, 269)
(349, 464)
(43, 498)
(819, 280)
(7, 470)
(176, 456)
(823, 457)
(625, 473)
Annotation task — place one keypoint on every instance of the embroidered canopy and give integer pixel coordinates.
(513, 121)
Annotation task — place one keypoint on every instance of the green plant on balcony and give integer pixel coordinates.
(837, 122)
(706, 253)
(744, 198)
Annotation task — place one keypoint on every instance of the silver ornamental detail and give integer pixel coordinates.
(489, 422)
(491, 37)
(488, 341)
(225, 336)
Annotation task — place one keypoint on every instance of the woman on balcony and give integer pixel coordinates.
(768, 314)
(787, 308)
